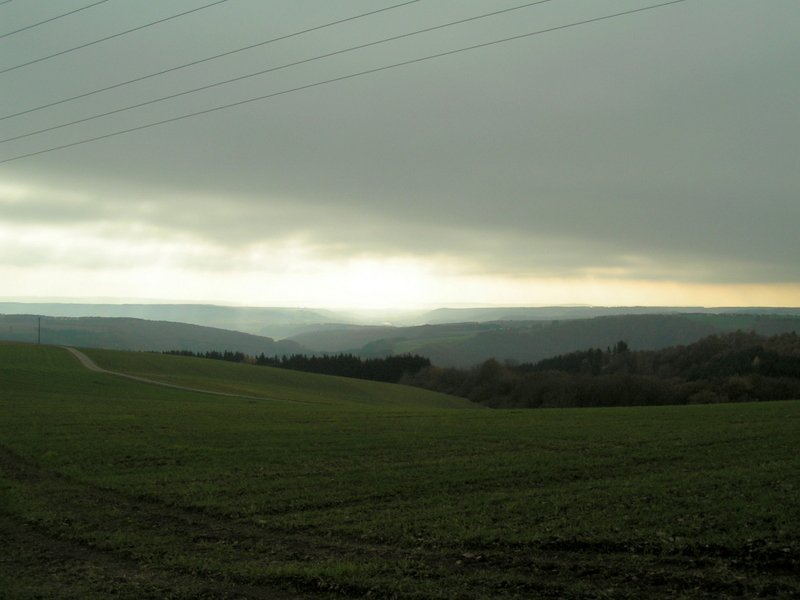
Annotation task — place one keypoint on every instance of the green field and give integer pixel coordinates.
(329, 487)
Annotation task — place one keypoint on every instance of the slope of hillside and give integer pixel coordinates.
(270, 322)
(540, 313)
(732, 367)
(466, 344)
(136, 334)
(282, 384)
(112, 488)
(382, 340)
(641, 332)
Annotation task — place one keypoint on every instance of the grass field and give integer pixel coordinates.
(340, 488)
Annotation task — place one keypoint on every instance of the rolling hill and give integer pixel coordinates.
(136, 334)
(269, 382)
(545, 313)
(447, 344)
(270, 322)
(111, 487)
(466, 344)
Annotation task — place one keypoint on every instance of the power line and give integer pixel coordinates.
(66, 14)
(202, 60)
(270, 70)
(111, 37)
(341, 78)
(5, 2)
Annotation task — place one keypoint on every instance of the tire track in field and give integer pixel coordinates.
(59, 547)
(82, 511)
(168, 548)
(44, 561)
(93, 366)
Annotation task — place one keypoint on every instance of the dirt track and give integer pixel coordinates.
(93, 366)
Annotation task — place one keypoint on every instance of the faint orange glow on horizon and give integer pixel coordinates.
(370, 285)
(88, 261)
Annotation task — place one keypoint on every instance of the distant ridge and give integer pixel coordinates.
(522, 313)
(468, 343)
(448, 336)
(271, 322)
(137, 334)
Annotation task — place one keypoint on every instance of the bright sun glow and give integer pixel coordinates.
(359, 283)
(86, 262)
(377, 284)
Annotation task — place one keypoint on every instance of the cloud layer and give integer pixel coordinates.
(660, 146)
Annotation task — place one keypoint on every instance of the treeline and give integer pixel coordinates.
(390, 369)
(733, 367)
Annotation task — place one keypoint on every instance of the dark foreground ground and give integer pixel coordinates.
(116, 488)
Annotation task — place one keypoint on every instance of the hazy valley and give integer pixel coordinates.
(542, 333)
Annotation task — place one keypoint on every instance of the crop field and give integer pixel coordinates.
(318, 487)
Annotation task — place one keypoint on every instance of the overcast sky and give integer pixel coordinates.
(650, 158)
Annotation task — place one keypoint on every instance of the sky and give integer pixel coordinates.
(649, 158)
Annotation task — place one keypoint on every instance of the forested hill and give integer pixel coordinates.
(734, 367)
(270, 322)
(642, 332)
(136, 334)
(467, 344)
(389, 369)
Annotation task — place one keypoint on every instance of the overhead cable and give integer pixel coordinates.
(341, 78)
(270, 70)
(66, 14)
(203, 60)
(111, 37)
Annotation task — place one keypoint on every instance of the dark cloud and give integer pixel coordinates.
(661, 145)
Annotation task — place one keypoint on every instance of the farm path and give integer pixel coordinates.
(93, 366)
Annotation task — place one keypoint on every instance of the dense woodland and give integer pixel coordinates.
(733, 367)
(389, 369)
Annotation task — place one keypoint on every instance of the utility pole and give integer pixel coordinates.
(39, 335)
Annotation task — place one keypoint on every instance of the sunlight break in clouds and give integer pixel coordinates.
(647, 159)
(50, 262)
(52, 251)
